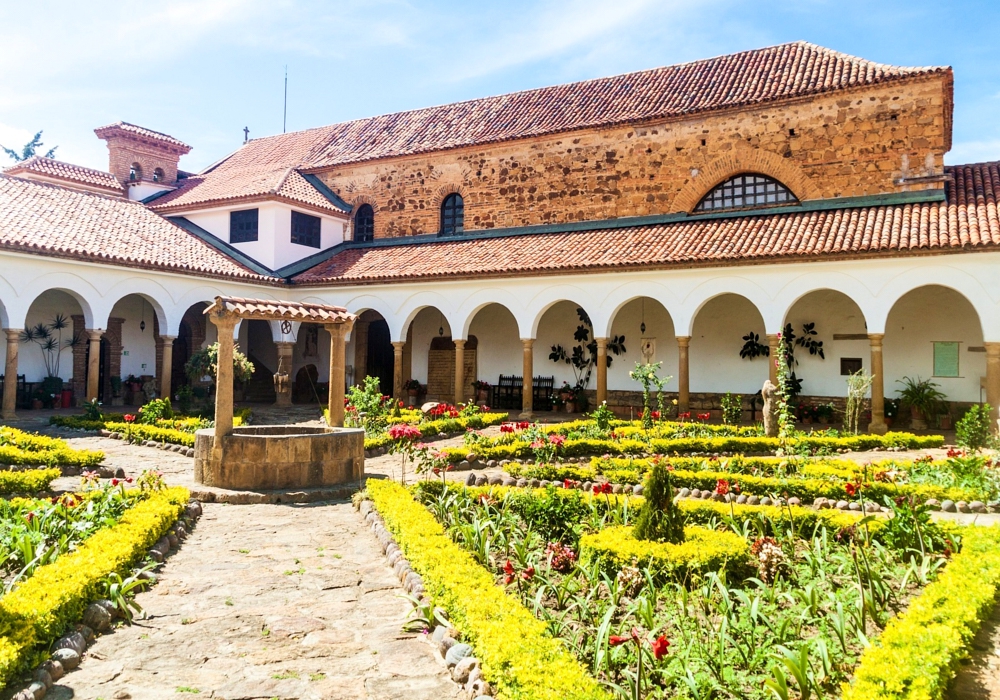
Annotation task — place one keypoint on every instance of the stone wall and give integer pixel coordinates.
(849, 143)
(441, 370)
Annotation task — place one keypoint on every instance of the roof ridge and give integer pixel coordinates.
(73, 190)
(37, 158)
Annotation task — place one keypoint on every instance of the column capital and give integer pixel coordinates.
(602, 342)
(168, 338)
(13, 335)
(992, 349)
(95, 334)
(459, 342)
(527, 342)
(284, 343)
(876, 338)
(684, 340)
(398, 345)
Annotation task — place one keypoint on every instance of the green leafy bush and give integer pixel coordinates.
(973, 431)
(658, 520)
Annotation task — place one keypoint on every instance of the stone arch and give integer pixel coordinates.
(744, 159)
(357, 202)
(446, 189)
(974, 292)
(482, 298)
(618, 298)
(716, 331)
(716, 287)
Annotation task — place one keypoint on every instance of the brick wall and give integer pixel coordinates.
(123, 151)
(850, 143)
(441, 371)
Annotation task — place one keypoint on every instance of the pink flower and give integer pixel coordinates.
(129, 417)
(403, 431)
(557, 440)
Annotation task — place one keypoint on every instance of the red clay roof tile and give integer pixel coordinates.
(59, 222)
(50, 167)
(968, 219)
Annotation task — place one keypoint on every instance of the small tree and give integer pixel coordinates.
(732, 409)
(858, 385)
(29, 150)
(973, 430)
(647, 376)
(205, 363)
(659, 519)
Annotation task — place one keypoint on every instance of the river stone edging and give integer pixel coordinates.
(100, 616)
(463, 666)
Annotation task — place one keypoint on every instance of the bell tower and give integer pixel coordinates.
(140, 156)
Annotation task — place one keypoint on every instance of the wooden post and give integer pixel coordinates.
(774, 343)
(992, 383)
(459, 371)
(397, 369)
(166, 365)
(10, 375)
(93, 363)
(877, 424)
(224, 378)
(528, 369)
(683, 375)
(335, 395)
(602, 370)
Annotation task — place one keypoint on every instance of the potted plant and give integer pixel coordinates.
(924, 398)
(482, 389)
(890, 410)
(116, 391)
(824, 413)
(580, 399)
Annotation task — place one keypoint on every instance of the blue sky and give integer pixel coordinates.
(201, 70)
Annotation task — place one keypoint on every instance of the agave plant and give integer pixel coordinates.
(49, 339)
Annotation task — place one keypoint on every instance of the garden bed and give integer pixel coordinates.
(20, 448)
(795, 615)
(86, 540)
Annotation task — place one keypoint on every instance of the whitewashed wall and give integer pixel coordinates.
(874, 285)
(499, 350)
(30, 360)
(659, 327)
(138, 346)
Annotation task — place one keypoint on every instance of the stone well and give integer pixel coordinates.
(268, 457)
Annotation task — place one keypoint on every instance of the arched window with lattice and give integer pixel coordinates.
(364, 223)
(452, 215)
(746, 191)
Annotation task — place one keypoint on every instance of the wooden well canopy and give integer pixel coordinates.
(226, 312)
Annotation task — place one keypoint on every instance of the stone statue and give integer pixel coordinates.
(769, 394)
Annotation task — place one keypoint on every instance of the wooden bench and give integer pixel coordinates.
(508, 392)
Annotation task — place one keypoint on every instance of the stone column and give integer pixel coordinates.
(10, 375)
(397, 370)
(528, 370)
(459, 371)
(773, 342)
(224, 379)
(94, 363)
(683, 375)
(602, 370)
(877, 424)
(338, 359)
(283, 398)
(992, 382)
(166, 365)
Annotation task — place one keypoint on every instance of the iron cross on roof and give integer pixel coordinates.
(246, 134)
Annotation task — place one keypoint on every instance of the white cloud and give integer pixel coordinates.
(973, 152)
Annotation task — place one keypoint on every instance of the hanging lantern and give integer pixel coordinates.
(142, 323)
(642, 326)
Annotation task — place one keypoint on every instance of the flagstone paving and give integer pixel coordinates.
(267, 601)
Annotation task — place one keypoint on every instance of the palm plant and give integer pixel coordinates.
(923, 396)
(49, 339)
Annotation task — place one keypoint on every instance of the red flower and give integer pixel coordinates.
(736, 487)
(557, 440)
(684, 416)
(114, 482)
(568, 483)
(660, 646)
(523, 425)
(953, 453)
(722, 487)
(29, 516)
(602, 488)
(129, 418)
(615, 640)
(508, 570)
(850, 488)
(506, 428)
(528, 573)
(403, 431)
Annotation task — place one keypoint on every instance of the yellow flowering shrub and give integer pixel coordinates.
(916, 656)
(38, 610)
(27, 481)
(22, 448)
(703, 550)
(140, 431)
(518, 656)
(806, 520)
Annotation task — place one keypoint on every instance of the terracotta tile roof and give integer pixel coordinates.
(270, 310)
(59, 222)
(734, 80)
(967, 220)
(245, 182)
(740, 79)
(125, 127)
(49, 167)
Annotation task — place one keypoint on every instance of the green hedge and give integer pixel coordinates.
(27, 481)
(519, 658)
(702, 551)
(138, 431)
(519, 449)
(918, 653)
(433, 428)
(805, 520)
(38, 610)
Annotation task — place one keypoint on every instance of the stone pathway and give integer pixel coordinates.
(267, 601)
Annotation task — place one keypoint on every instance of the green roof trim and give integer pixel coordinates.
(220, 245)
(330, 195)
(879, 200)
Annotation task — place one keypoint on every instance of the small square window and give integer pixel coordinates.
(850, 365)
(243, 226)
(305, 229)
(946, 359)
